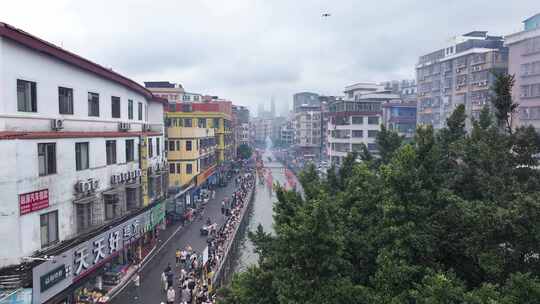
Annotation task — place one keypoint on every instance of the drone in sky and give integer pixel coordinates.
(324, 15)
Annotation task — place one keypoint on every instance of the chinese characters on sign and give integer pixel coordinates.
(33, 201)
(51, 278)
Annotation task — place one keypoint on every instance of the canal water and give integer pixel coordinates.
(261, 212)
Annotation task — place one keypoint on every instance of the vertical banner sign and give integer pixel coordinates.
(144, 169)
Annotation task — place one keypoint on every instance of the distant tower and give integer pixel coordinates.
(273, 107)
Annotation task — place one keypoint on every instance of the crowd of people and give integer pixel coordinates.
(193, 282)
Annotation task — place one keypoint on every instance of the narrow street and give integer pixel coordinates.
(150, 290)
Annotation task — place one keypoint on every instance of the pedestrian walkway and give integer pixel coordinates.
(169, 241)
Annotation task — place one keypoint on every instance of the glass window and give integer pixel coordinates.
(172, 168)
(112, 206)
(110, 147)
(49, 228)
(130, 150)
(93, 104)
(189, 168)
(115, 107)
(65, 100)
(372, 147)
(201, 122)
(130, 109)
(357, 120)
(139, 111)
(372, 133)
(150, 148)
(357, 133)
(177, 145)
(178, 168)
(158, 150)
(188, 145)
(171, 145)
(81, 156)
(188, 123)
(84, 216)
(373, 120)
(215, 123)
(47, 158)
(26, 96)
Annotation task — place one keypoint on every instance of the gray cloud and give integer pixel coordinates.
(250, 50)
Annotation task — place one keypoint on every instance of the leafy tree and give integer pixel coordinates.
(388, 142)
(502, 100)
(244, 151)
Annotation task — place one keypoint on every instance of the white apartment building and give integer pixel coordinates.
(356, 121)
(308, 131)
(82, 149)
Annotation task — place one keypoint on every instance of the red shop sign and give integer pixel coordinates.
(33, 201)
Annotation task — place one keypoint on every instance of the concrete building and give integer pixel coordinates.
(524, 63)
(305, 99)
(240, 121)
(308, 131)
(172, 92)
(355, 121)
(400, 117)
(287, 133)
(262, 129)
(460, 73)
(82, 157)
(405, 88)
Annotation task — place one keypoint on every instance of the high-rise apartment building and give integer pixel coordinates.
(460, 73)
(524, 63)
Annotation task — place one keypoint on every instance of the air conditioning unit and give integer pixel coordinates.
(146, 127)
(57, 124)
(124, 126)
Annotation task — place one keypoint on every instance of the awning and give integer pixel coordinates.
(86, 200)
(112, 191)
(133, 186)
(183, 191)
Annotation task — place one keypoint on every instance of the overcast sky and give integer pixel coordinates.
(251, 50)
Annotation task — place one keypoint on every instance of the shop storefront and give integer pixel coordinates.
(91, 271)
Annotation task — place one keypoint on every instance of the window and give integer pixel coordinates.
(357, 147)
(130, 109)
(372, 133)
(49, 228)
(110, 148)
(177, 145)
(130, 150)
(357, 133)
(171, 145)
(185, 97)
(196, 98)
(132, 198)
(188, 123)
(112, 206)
(115, 107)
(178, 168)
(188, 145)
(201, 122)
(373, 120)
(357, 120)
(83, 216)
(172, 168)
(26, 96)
(215, 123)
(372, 147)
(158, 151)
(189, 168)
(65, 100)
(139, 111)
(81, 156)
(150, 148)
(93, 104)
(47, 158)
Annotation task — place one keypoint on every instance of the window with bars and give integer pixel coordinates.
(83, 215)
(93, 104)
(130, 150)
(49, 228)
(65, 100)
(115, 107)
(81, 156)
(26, 96)
(110, 147)
(130, 109)
(47, 158)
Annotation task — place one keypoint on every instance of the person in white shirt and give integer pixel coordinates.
(171, 294)
(137, 284)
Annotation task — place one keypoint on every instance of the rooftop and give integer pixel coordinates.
(161, 84)
(32, 42)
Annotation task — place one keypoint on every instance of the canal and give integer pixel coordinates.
(261, 212)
